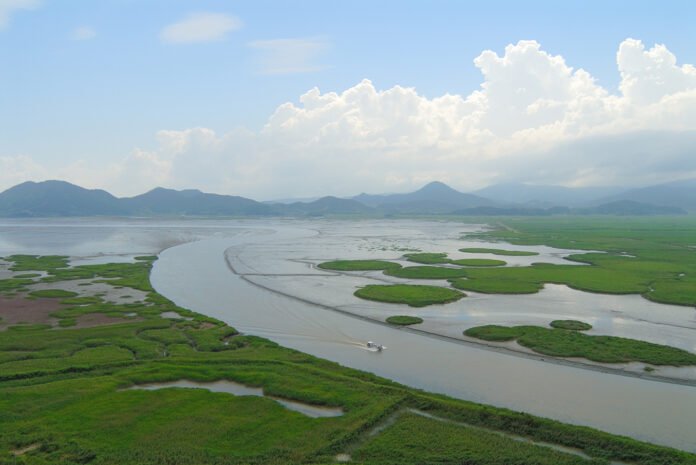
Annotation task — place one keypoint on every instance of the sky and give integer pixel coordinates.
(280, 99)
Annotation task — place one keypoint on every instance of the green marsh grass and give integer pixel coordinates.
(65, 391)
(573, 325)
(509, 253)
(478, 262)
(571, 343)
(404, 320)
(410, 294)
(426, 272)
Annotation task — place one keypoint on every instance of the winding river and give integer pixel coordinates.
(204, 276)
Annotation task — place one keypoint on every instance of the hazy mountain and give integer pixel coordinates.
(544, 196)
(433, 198)
(291, 200)
(57, 198)
(193, 202)
(630, 207)
(324, 206)
(681, 194)
(513, 211)
(619, 207)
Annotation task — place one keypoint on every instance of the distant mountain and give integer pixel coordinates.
(629, 207)
(680, 194)
(618, 208)
(545, 196)
(433, 198)
(193, 202)
(323, 206)
(513, 211)
(57, 198)
(291, 200)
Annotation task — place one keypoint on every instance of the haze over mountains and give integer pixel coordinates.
(60, 198)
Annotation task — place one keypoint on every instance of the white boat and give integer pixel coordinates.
(375, 346)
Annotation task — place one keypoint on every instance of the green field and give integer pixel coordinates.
(436, 441)
(404, 320)
(410, 294)
(62, 398)
(571, 343)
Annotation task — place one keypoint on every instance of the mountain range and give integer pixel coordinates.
(60, 198)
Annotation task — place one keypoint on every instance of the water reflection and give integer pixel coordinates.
(238, 389)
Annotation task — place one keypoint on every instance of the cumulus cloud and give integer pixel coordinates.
(200, 27)
(289, 56)
(83, 33)
(535, 118)
(8, 7)
(649, 75)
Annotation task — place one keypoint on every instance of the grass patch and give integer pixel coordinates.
(410, 294)
(359, 265)
(491, 286)
(478, 262)
(53, 294)
(441, 258)
(404, 320)
(37, 262)
(509, 253)
(584, 278)
(438, 442)
(572, 325)
(426, 272)
(427, 258)
(27, 275)
(565, 343)
(13, 285)
(653, 257)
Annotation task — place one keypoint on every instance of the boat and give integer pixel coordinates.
(375, 346)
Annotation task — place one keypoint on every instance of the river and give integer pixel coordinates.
(198, 276)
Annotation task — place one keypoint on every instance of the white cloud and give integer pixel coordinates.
(289, 56)
(8, 7)
(83, 33)
(200, 27)
(17, 169)
(534, 118)
(649, 75)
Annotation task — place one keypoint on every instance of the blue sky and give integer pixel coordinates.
(97, 99)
